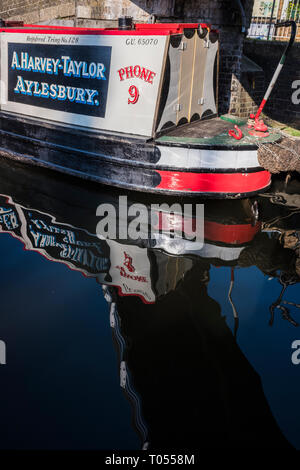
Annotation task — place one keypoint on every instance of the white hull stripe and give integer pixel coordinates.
(186, 158)
(223, 253)
(206, 250)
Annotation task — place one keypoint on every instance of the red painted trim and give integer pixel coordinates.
(262, 105)
(231, 183)
(230, 234)
(91, 32)
(157, 29)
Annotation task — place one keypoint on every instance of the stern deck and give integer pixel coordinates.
(213, 133)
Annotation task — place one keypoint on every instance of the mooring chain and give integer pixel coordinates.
(270, 148)
(292, 150)
(267, 148)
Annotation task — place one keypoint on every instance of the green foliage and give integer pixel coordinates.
(292, 131)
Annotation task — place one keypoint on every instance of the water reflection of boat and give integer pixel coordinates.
(190, 385)
(58, 219)
(134, 108)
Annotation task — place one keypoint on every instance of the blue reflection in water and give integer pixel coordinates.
(60, 388)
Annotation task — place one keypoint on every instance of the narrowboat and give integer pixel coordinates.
(134, 107)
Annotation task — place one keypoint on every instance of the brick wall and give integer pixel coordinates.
(104, 13)
(251, 93)
(218, 12)
(267, 55)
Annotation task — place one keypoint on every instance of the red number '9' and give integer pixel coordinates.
(134, 93)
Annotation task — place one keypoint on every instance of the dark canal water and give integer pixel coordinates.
(193, 334)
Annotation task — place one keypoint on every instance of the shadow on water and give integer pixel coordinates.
(203, 332)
